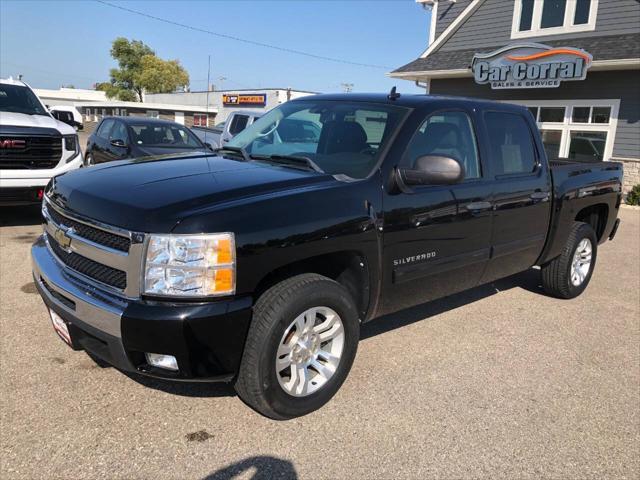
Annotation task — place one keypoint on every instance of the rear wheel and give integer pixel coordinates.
(300, 347)
(568, 275)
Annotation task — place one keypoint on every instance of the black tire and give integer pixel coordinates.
(88, 160)
(257, 382)
(556, 275)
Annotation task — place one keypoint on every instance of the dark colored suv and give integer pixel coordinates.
(118, 138)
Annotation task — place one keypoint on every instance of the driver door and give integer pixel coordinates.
(437, 237)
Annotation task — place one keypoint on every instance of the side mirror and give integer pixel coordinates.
(117, 142)
(209, 146)
(433, 170)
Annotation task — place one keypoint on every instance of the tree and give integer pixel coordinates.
(161, 76)
(141, 70)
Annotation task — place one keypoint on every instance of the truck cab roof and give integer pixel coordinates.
(411, 100)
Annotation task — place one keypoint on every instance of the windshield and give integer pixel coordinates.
(19, 99)
(339, 137)
(170, 136)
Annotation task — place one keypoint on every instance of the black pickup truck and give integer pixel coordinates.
(258, 264)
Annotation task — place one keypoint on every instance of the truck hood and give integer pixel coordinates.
(153, 195)
(41, 121)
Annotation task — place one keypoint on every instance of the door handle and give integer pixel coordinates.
(477, 207)
(540, 196)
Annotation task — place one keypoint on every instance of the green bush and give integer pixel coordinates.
(633, 197)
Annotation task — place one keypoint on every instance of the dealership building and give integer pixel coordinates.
(574, 63)
(227, 101)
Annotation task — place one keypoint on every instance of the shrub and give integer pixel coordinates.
(633, 197)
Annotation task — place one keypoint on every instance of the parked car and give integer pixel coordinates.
(236, 122)
(34, 146)
(67, 114)
(258, 265)
(119, 138)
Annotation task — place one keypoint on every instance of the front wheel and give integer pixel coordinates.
(88, 160)
(300, 347)
(568, 275)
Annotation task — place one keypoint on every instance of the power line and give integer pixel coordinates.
(244, 40)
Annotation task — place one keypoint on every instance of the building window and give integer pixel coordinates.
(153, 114)
(123, 112)
(580, 130)
(533, 18)
(551, 114)
(200, 120)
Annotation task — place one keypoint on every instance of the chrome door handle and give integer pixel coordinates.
(540, 196)
(476, 207)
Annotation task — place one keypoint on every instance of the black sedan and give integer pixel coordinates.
(118, 138)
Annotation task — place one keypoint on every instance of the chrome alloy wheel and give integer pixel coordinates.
(581, 262)
(309, 352)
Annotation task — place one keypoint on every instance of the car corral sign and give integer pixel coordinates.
(530, 65)
(246, 100)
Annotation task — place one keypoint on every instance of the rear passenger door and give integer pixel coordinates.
(436, 239)
(521, 194)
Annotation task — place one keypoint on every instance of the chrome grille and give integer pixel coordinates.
(96, 235)
(101, 273)
(109, 256)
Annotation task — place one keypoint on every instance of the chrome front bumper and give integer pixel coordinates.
(74, 296)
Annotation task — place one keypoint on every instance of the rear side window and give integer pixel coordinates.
(105, 128)
(512, 149)
(238, 124)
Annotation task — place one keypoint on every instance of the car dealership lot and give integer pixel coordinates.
(498, 381)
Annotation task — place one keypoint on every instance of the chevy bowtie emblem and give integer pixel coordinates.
(62, 237)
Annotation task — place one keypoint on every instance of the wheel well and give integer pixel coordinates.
(596, 216)
(348, 268)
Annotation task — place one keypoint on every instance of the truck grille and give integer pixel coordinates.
(97, 271)
(95, 235)
(37, 153)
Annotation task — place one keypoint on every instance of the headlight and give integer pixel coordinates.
(71, 144)
(190, 265)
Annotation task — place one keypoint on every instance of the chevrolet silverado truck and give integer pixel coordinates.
(258, 264)
(34, 146)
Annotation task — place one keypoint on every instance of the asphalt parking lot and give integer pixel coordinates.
(501, 381)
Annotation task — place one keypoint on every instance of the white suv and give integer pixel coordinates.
(34, 146)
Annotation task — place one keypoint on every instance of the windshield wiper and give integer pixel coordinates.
(239, 150)
(294, 161)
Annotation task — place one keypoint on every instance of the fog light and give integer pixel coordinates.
(167, 362)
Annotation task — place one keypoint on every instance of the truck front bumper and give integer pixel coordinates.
(207, 339)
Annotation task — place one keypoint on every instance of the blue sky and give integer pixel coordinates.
(68, 42)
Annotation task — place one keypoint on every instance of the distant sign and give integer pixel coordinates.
(245, 100)
(530, 65)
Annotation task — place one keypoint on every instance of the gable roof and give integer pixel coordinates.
(458, 62)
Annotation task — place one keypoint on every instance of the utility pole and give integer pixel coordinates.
(347, 87)
(208, 88)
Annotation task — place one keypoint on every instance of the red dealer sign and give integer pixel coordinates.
(246, 100)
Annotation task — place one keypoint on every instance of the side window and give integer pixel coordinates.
(105, 128)
(238, 124)
(511, 145)
(449, 134)
(119, 132)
